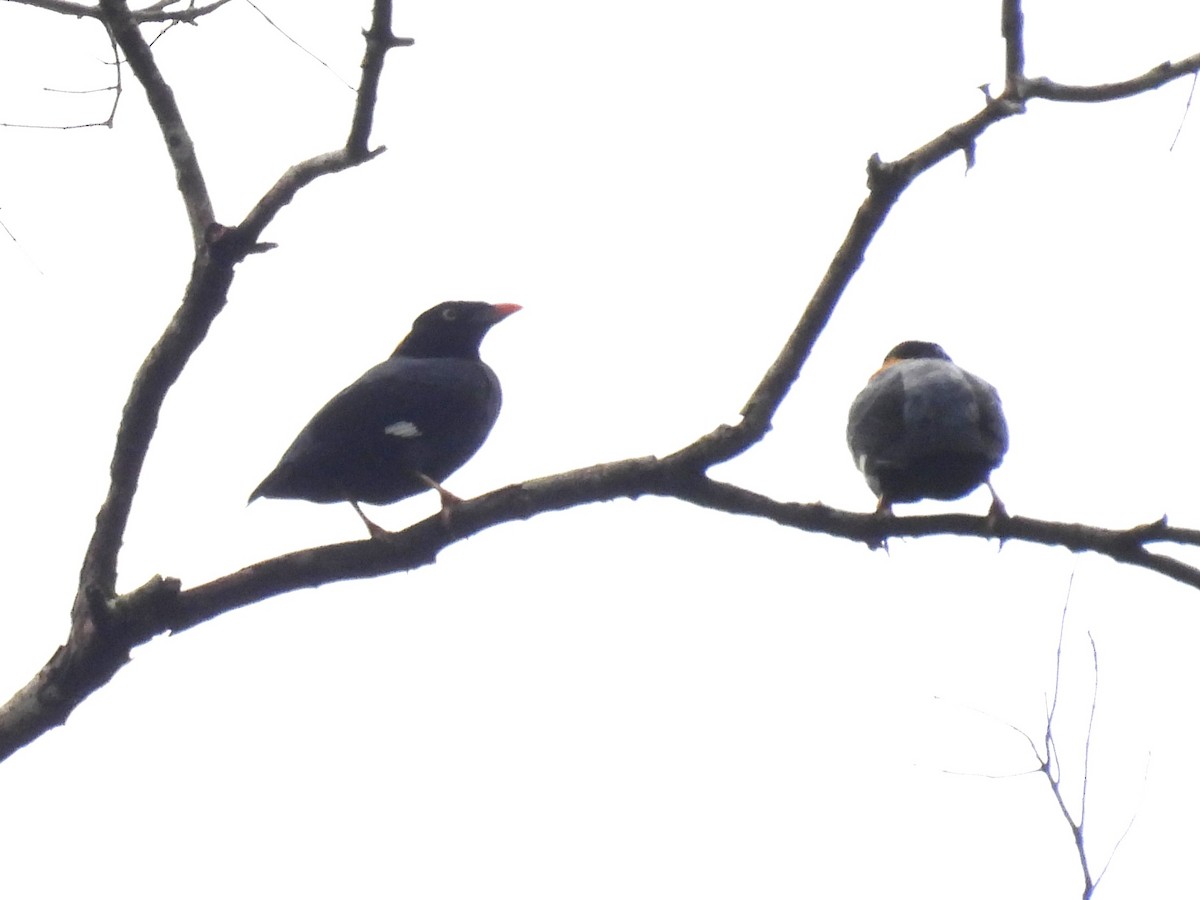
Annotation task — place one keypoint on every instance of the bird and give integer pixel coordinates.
(406, 424)
(925, 428)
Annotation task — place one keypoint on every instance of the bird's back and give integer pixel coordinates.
(404, 418)
(926, 428)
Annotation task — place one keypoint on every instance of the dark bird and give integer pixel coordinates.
(924, 428)
(406, 424)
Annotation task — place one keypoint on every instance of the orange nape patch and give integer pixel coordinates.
(887, 364)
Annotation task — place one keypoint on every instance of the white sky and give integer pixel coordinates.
(636, 699)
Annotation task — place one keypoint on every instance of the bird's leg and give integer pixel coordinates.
(883, 510)
(996, 511)
(449, 500)
(376, 532)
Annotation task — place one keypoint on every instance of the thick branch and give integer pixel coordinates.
(94, 654)
(64, 7)
(203, 300)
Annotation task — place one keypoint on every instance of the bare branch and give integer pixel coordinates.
(63, 6)
(218, 250)
(1012, 29)
(1187, 108)
(203, 298)
(1049, 767)
(116, 625)
(188, 176)
(157, 12)
(1087, 743)
(105, 627)
(1062, 630)
(112, 113)
(154, 13)
(1152, 80)
(1128, 826)
(379, 40)
(1050, 762)
(1011, 727)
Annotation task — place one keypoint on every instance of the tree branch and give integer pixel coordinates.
(218, 251)
(92, 657)
(106, 627)
(81, 10)
(1164, 73)
(123, 27)
(158, 13)
(379, 40)
(1012, 29)
(155, 13)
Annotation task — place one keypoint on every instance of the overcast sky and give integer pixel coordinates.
(639, 699)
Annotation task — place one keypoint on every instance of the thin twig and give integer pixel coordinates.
(24, 252)
(1128, 825)
(1187, 108)
(115, 88)
(1087, 743)
(254, 6)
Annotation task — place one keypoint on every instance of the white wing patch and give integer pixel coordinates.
(403, 429)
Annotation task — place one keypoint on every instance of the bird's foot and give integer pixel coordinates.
(449, 500)
(997, 514)
(883, 512)
(377, 533)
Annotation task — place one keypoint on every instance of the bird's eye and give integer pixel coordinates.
(449, 313)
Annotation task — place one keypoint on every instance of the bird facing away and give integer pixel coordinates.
(406, 424)
(924, 428)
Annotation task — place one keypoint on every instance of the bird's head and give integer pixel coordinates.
(453, 329)
(915, 350)
(911, 350)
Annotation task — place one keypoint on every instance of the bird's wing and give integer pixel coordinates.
(876, 424)
(400, 397)
(992, 427)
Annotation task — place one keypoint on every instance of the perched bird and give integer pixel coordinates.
(923, 427)
(406, 424)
